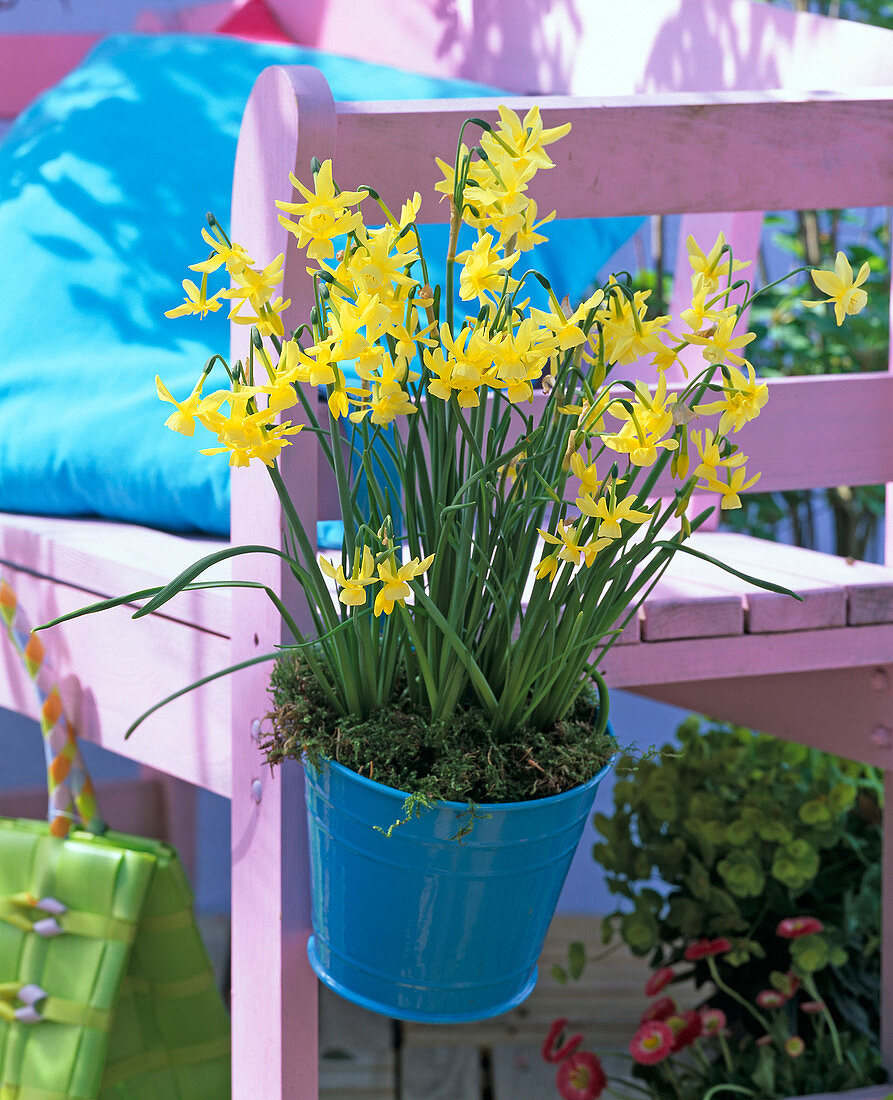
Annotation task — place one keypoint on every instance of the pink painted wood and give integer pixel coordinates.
(31, 63)
(289, 118)
(597, 47)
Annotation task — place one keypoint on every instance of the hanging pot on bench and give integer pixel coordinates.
(443, 920)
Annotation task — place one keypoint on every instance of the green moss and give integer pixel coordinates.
(460, 761)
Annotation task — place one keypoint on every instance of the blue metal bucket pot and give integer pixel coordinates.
(420, 925)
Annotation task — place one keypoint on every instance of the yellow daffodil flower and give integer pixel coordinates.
(410, 210)
(394, 582)
(315, 366)
(232, 256)
(527, 139)
(525, 235)
(323, 216)
(378, 264)
(588, 475)
(702, 313)
(519, 358)
(256, 286)
(568, 538)
(648, 419)
(483, 270)
(842, 289)
(591, 549)
(731, 487)
(567, 328)
(708, 449)
(446, 186)
(717, 342)
(345, 323)
(667, 356)
(547, 567)
(742, 400)
(612, 512)
(628, 336)
(504, 195)
(273, 439)
(188, 411)
(572, 550)
(247, 435)
(197, 300)
(267, 321)
(466, 366)
(386, 402)
(339, 399)
(353, 589)
(711, 268)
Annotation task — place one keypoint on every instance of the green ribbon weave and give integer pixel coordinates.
(131, 1010)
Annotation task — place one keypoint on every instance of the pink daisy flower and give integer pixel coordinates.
(771, 998)
(659, 1010)
(713, 1021)
(792, 928)
(686, 1027)
(580, 1077)
(659, 980)
(652, 1043)
(703, 948)
(794, 1046)
(550, 1051)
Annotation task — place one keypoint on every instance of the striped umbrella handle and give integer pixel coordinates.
(71, 793)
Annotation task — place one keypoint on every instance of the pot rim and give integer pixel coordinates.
(508, 807)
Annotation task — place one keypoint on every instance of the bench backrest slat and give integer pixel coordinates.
(678, 153)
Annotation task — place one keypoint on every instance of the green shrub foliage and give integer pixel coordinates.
(744, 831)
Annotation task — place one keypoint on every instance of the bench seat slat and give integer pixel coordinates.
(823, 600)
(868, 586)
(691, 605)
(108, 559)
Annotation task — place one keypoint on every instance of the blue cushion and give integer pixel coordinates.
(104, 184)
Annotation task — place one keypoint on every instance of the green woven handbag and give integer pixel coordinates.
(106, 990)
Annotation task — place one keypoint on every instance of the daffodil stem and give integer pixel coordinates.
(455, 225)
(749, 301)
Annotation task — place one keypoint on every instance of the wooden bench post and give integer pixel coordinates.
(289, 118)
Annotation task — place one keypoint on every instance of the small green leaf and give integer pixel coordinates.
(559, 974)
(576, 958)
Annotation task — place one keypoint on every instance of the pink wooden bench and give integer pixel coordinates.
(818, 671)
